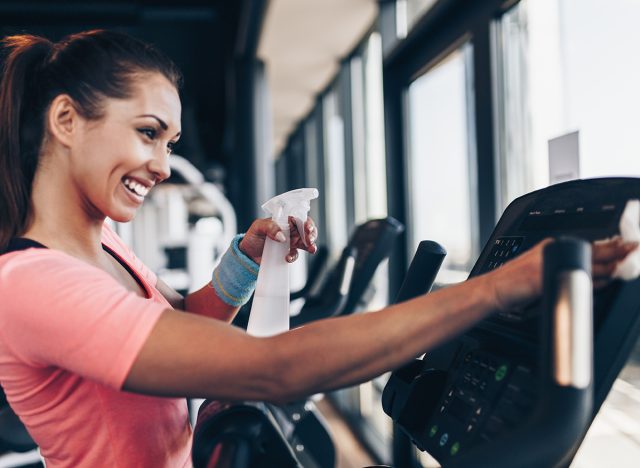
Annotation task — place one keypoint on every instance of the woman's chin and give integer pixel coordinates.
(122, 216)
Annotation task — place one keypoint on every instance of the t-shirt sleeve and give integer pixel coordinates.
(111, 239)
(59, 311)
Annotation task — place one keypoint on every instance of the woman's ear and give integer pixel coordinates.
(62, 119)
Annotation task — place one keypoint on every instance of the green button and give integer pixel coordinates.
(433, 430)
(455, 448)
(501, 372)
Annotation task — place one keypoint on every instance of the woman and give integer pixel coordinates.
(95, 351)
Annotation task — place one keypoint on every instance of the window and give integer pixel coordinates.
(440, 175)
(556, 76)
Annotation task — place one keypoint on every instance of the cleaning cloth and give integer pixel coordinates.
(629, 268)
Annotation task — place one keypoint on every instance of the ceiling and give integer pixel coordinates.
(302, 44)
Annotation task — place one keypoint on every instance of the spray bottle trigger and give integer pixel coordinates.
(300, 226)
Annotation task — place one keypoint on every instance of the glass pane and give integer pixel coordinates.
(556, 76)
(334, 175)
(376, 168)
(439, 176)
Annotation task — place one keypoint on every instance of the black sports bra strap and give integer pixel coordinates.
(22, 243)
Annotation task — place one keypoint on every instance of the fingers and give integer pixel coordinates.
(605, 257)
(266, 227)
(310, 233)
(611, 250)
(292, 256)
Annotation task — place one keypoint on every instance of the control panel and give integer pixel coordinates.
(485, 385)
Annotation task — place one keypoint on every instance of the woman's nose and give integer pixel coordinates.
(160, 167)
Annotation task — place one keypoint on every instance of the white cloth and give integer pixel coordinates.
(629, 268)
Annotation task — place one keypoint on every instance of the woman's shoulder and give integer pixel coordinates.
(34, 263)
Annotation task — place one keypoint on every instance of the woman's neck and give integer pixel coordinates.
(60, 220)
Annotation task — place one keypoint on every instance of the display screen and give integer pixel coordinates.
(567, 221)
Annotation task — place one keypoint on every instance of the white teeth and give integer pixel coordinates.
(134, 186)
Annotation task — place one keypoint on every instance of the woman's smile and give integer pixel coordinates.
(136, 187)
(136, 191)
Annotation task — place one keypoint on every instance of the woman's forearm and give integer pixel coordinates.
(339, 352)
(205, 301)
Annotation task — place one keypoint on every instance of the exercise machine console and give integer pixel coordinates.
(493, 396)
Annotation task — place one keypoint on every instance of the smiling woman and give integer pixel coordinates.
(86, 129)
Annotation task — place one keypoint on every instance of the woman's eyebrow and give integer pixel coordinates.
(162, 123)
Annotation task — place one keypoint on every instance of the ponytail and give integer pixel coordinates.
(21, 129)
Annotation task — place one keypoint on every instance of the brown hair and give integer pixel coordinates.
(89, 66)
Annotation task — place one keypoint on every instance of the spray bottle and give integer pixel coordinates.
(270, 310)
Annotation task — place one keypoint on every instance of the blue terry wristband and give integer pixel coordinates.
(234, 279)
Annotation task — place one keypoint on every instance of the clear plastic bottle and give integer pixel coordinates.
(270, 310)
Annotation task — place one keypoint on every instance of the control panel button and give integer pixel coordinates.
(433, 431)
(443, 439)
(455, 448)
(501, 372)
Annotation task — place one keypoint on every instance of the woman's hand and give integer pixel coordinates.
(252, 243)
(605, 255)
(519, 281)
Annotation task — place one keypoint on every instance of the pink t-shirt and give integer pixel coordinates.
(69, 334)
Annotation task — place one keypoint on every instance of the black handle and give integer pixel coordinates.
(422, 271)
(332, 306)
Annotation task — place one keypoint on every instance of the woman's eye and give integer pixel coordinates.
(150, 133)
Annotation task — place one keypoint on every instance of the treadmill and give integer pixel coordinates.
(496, 395)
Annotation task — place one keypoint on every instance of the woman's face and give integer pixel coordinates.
(118, 158)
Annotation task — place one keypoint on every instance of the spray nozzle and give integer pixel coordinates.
(294, 203)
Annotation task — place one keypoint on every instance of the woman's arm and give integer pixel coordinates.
(188, 355)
